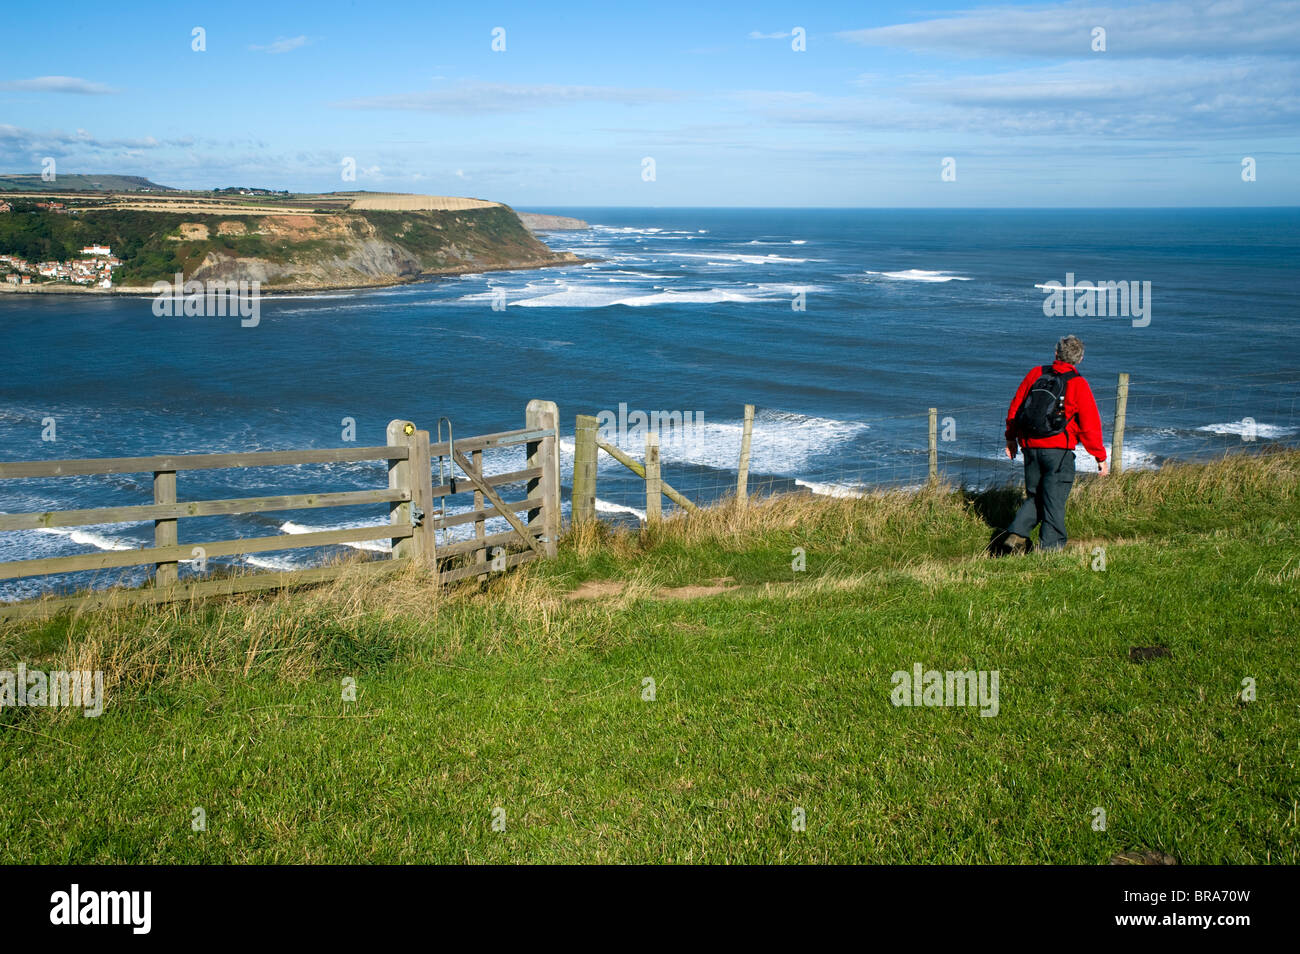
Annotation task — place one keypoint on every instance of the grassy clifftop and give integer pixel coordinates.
(771, 694)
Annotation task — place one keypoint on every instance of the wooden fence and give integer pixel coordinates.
(1116, 456)
(412, 528)
(588, 444)
(414, 521)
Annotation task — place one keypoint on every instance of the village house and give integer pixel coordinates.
(96, 269)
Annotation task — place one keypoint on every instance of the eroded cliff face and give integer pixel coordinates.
(352, 249)
(540, 222)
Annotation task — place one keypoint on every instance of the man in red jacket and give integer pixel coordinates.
(1053, 411)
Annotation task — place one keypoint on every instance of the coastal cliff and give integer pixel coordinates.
(539, 222)
(303, 245)
(361, 248)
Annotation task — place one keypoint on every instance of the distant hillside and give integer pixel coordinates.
(79, 183)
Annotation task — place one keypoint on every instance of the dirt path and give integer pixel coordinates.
(604, 589)
(610, 589)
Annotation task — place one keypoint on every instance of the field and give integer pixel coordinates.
(515, 723)
(421, 203)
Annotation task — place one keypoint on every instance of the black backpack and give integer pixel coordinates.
(1042, 413)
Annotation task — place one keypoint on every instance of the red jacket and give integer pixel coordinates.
(1083, 421)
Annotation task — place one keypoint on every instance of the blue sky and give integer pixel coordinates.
(715, 94)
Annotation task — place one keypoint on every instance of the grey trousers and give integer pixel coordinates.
(1049, 475)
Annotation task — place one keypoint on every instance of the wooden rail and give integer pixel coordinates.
(588, 444)
(414, 521)
(139, 465)
(666, 488)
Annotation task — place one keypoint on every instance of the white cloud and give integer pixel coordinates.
(283, 45)
(1141, 99)
(470, 98)
(755, 35)
(1149, 29)
(59, 84)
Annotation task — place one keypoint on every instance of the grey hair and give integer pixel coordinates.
(1069, 349)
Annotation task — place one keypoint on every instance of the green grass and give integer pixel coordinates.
(770, 697)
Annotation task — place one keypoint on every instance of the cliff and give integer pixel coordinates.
(538, 222)
(360, 248)
(306, 246)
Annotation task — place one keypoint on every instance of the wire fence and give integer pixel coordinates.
(1165, 422)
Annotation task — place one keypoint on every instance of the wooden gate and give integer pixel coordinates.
(416, 515)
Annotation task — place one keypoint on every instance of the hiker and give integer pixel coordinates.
(1053, 410)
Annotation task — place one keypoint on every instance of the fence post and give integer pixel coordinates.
(480, 528)
(584, 470)
(1121, 411)
(545, 453)
(399, 478)
(653, 487)
(165, 532)
(421, 470)
(934, 443)
(742, 479)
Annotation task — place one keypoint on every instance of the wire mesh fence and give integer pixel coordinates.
(1165, 422)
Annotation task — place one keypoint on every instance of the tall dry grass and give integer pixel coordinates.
(358, 622)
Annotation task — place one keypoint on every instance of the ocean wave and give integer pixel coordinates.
(602, 296)
(374, 546)
(833, 490)
(263, 562)
(745, 259)
(781, 443)
(625, 230)
(300, 297)
(91, 537)
(1243, 429)
(712, 296)
(920, 275)
(605, 506)
(1136, 457)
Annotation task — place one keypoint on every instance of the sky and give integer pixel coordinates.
(839, 104)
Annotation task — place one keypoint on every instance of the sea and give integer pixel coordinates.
(841, 327)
